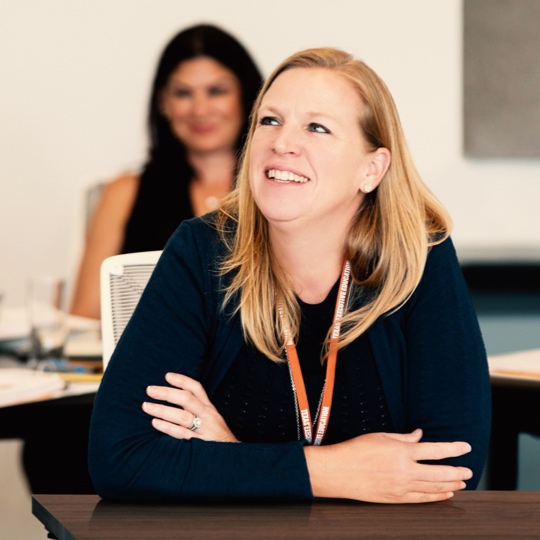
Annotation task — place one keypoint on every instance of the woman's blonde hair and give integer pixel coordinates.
(388, 240)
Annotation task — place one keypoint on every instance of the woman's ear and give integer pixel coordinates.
(379, 162)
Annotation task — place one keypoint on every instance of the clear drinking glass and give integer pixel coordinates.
(46, 303)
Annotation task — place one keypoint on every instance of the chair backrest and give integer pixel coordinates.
(123, 279)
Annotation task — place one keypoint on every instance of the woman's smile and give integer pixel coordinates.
(285, 177)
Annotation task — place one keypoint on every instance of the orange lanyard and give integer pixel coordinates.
(296, 372)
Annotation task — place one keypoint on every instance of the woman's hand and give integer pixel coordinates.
(190, 395)
(384, 468)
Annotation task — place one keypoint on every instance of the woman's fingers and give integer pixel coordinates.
(441, 473)
(180, 397)
(430, 451)
(174, 430)
(182, 417)
(412, 437)
(438, 487)
(185, 392)
(422, 497)
(188, 384)
(177, 422)
(431, 480)
(187, 399)
(439, 450)
(170, 420)
(170, 414)
(439, 478)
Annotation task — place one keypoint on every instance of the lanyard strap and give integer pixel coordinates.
(296, 371)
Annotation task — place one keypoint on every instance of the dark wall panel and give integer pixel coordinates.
(502, 78)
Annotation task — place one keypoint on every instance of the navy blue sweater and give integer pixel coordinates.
(429, 355)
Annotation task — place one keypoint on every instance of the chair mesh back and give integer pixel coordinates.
(126, 290)
(123, 279)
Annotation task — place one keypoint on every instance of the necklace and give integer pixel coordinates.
(322, 416)
(208, 195)
(211, 202)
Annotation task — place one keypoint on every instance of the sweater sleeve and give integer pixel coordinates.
(447, 387)
(171, 330)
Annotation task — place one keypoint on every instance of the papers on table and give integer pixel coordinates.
(519, 366)
(14, 323)
(20, 385)
(84, 337)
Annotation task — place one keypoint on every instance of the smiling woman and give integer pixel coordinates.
(309, 164)
(204, 87)
(203, 90)
(314, 335)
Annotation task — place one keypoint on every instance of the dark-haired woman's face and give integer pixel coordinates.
(203, 104)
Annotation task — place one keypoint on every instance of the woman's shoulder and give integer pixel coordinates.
(205, 232)
(198, 245)
(442, 276)
(211, 224)
(121, 190)
(441, 254)
(117, 198)
(123, 184)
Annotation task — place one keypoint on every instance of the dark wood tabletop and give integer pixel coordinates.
(478, 514)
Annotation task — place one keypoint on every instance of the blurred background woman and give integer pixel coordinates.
(201, 97)
(203, 91)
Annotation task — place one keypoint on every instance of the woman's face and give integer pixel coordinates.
(308, 158)
(202, 101)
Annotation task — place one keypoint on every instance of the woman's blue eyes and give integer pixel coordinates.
(271, 121)
(268, 121)
(318, 128)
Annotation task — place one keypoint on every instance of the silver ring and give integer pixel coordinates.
(196, 424)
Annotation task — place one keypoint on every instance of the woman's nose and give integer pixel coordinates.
(286, 141)
(200, 105)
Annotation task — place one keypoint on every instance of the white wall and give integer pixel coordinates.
(75, 78)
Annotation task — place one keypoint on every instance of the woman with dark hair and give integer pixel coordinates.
(203, 91)
(202, 94)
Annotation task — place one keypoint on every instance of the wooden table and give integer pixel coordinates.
(479, 514)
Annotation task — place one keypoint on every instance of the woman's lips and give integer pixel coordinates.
(285, 176)
(202, 129)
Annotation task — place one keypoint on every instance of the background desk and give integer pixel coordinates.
(506, 293)
(54, 431)
(469, 515)
(55, 435)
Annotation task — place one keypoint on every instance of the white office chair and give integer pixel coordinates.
(122, 281)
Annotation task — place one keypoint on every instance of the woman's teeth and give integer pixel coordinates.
(286, 176)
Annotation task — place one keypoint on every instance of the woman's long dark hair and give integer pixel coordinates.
(200, 40)
(165, 178)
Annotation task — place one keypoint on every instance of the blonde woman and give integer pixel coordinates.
(312, 338)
